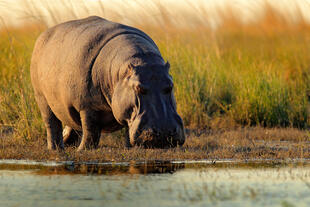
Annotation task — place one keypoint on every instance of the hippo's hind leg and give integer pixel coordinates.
(71, 137)
(52, 124)
(91, 130)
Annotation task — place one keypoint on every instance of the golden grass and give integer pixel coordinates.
(237, 75)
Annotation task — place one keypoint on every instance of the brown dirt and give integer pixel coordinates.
(242, 143)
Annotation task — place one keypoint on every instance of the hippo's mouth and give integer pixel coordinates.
(150, 139)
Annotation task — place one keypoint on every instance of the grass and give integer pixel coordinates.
(18, 110)
(251, 80)
(238, 75)
(239, 144)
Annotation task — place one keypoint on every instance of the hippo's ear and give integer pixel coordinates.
(167, 65)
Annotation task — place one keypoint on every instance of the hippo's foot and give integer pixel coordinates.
(71, 137)
(89, 143)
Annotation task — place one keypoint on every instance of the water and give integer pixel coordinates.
(155, 184)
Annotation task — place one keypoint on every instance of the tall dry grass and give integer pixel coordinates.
(18, 110)
(237, 74)
(253, 73)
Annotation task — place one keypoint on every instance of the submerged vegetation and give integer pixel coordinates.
(239, 74)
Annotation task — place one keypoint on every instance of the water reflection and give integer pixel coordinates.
(112, 169)
(131, 168)
(99, 169)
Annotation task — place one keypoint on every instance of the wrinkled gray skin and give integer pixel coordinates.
(93, 75)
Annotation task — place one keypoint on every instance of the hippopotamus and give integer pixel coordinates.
(94, 76)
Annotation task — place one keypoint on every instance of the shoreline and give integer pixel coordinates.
(255, 143)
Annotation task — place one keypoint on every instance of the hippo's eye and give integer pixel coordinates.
(141, 90)
(168, 90)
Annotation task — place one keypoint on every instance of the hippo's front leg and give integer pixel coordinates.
(90, 128)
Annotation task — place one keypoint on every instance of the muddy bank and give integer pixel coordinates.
(241, 144)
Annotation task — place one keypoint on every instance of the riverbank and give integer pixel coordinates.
(241, 144)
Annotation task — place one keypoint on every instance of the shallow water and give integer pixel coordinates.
(155, 184)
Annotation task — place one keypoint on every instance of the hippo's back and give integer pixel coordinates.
(76, 44)
(63, 58)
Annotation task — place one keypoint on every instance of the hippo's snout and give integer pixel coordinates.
(169, 135)
(153, 139)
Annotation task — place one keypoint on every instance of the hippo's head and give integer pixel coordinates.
(144, 101)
